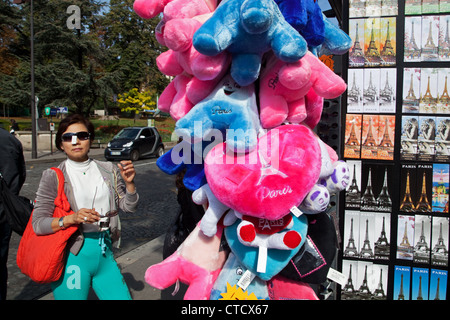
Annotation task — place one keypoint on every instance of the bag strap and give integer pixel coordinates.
(61, 199)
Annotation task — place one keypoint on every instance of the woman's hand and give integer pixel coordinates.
(128, 173)
(84, 216)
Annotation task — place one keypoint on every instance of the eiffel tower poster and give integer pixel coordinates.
(405, 235)
(444, 38)
(371, 93)
(388, 90)
(366, 235)
(386, 137)
(388, 41)
(355, 90)
(439, 242)
(353, 190)
(438, 284)
(419, 286)
(402, 276)
(411, 90)
(428, 90)
(408, 139)
(382, 230)
(430, 38)
(442, 140)
(443, 85)
(427, 133)
(352, 144)
(369, 137)
(408, 189)
(356, 53)
(351, 233)
(422, 237)
(413, 39)
(372, 42)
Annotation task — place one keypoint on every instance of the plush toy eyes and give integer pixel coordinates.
(239, 271)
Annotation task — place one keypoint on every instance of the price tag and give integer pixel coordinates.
(296, 211)
(337, 277)
(262, 260)
(245, 280)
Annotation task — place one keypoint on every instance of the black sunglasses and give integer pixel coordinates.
(82, 135)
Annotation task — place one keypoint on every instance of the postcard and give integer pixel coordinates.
(413, 7)
(355, 91)
(352, 145)
(419, 286)
(409, 136)
(373, 8)
(439, 242)
(389, 7)
(440, 190)
(353, 190)
(444, 6)
(442, 140)
(372, 28)
(430, 38)
(369, 137)
(371, 93)
(413, 39)
(427, 132)
(388, 41)
(443, 85)
(405, 237)
(408, 187)
(428, 90)
(366, 235)
(402, 282)
(386, 137)
(444, 38)
(422, 236)
(356, 53)
(382, 230)
(438, 284)
(357, 8)
(411, 90)
(351, 233)
(350, 269)
(388, 90)
(430, 6)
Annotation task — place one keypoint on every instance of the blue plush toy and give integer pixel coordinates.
(247, 29)
(229, 108)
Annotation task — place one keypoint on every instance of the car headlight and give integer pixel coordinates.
(109, 144)
(129, 144)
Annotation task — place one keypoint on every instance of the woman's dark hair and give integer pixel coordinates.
(69, 120)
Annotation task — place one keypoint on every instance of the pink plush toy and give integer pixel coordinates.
(148, 9)
(284, 88)
(270, 180)
(199, 73)
(281, 288)
(197, 262)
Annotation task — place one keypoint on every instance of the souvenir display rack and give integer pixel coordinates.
(393, 217)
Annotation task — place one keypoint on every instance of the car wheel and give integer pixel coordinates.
(134, 156)
(159, 152)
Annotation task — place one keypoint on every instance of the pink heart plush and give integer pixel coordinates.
(268, 181)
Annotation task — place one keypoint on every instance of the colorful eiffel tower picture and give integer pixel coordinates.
(388, 41)
(386, 137)
(356, 53)
(438, 284)
(402, 276)
(419, 286)
(352, 144)
(369, 137)
(372, 42)
(408, 189)
(440, 189)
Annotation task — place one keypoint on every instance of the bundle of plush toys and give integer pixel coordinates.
(247, 92)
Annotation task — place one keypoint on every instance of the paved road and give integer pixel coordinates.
(157, 208)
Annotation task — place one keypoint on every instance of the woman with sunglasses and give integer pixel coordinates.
(96, 190)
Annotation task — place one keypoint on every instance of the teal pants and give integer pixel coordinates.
(94, 266)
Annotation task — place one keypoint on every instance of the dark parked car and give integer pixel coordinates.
(133, 143)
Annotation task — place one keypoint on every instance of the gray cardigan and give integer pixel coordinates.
(48, 189)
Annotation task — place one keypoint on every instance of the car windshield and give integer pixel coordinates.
(127, 133)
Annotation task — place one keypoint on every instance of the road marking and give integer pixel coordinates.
(143, 164)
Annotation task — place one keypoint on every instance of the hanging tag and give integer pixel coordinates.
(245, 280)
(74, 139)
(262, 260)
(296, 211)
(337, 277)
